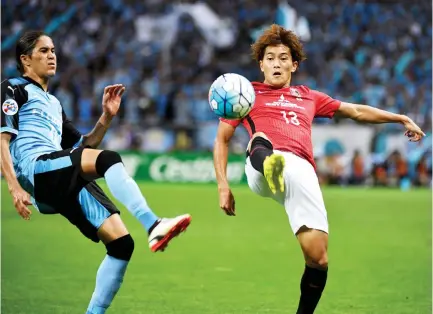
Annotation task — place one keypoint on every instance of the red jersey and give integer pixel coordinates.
(286, 116)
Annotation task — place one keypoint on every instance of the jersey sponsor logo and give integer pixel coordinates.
(57, 123)
(10, 107)
(283, 102)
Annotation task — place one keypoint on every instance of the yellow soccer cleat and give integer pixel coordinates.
(273, 167)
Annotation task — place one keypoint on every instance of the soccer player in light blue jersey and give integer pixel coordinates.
(48, 163)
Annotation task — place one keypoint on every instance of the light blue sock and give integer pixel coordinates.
(126, 191)
(109, 278)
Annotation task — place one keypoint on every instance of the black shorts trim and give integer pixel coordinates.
(59, 189)
(74, 212)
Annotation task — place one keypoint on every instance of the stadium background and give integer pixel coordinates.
(168, 53)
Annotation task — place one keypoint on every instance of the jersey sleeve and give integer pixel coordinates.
(71, 137)
(326, 106)
(9, 113)
(233, 123)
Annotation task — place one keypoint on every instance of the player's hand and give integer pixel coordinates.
(413, 131)
(111, 99)
(21, 200)
(227, 201)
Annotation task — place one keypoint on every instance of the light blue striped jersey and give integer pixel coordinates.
(38, 125)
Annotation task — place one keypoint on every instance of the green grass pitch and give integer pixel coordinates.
(380, 257)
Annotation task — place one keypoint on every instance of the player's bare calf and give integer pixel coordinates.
(314, 244)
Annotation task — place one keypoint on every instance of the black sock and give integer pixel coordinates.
(312, 284)
(259, 150)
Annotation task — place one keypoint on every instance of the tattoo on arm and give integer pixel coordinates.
(94, 138)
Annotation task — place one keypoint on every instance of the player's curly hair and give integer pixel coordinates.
(276, 35)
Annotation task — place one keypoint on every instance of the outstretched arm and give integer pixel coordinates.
(110, 106)
(220, 155)
(367, 114)
(94, 137)
(20, 197)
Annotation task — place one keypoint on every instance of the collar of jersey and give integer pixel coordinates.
(266, 87)
(32, 81)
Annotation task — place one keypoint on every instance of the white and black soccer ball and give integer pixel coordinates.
(231, 96)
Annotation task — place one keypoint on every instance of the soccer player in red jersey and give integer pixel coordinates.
(280, 162)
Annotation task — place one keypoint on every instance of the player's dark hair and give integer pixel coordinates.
(276, 35)
(25, 45)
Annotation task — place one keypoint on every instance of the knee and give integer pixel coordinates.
(105, 160)
(259, 136)
(121, 248)
(259, 139)
(323, 262)
(320, 261)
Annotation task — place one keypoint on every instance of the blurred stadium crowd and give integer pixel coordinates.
(168, 53)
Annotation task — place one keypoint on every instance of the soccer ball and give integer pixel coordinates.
(231, 96)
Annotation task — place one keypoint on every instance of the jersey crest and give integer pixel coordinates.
(10, 107)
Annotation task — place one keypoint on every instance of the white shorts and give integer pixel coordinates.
(302, 197)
